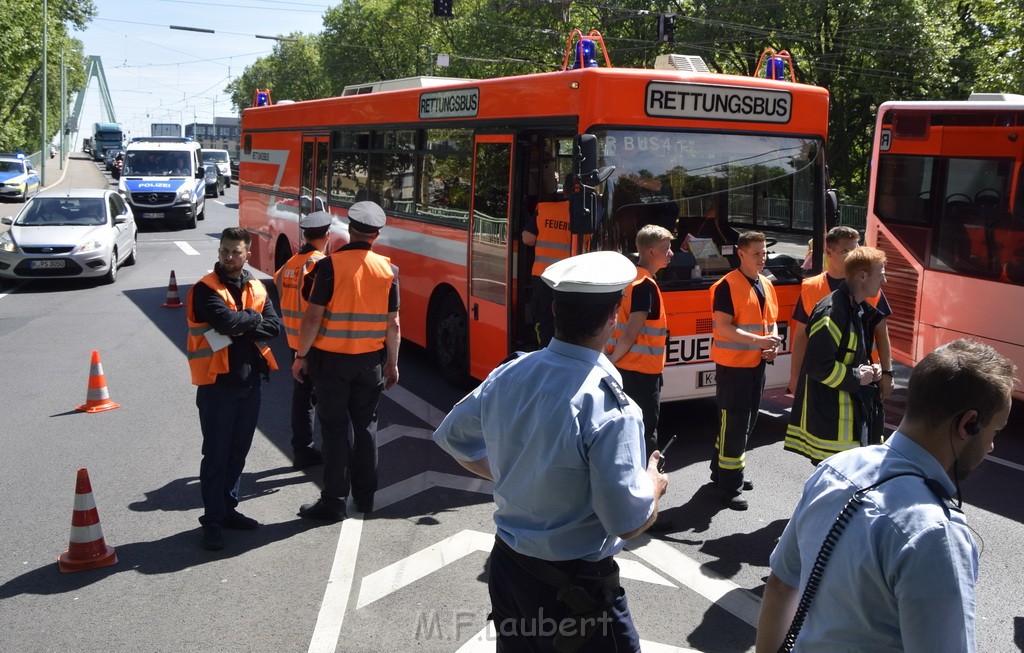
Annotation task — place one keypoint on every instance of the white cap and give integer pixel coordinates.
(592, 278)
(315, 220)
(366, 217)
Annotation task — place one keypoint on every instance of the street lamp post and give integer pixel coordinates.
(44, 139)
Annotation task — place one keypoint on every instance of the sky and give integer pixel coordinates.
(156, 74)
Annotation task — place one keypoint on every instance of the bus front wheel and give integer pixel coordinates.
(451, 341)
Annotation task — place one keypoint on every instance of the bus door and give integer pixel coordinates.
(489, 253)
(315, 168)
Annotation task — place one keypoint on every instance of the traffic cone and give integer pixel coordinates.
(97, 399)
(173, 301)
(86, 548)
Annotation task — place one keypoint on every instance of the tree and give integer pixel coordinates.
(21, 67)
(292, 71)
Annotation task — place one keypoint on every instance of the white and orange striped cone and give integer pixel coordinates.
(173, 300)
(97, 399)
(86, 548)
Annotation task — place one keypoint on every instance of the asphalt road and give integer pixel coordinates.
(412, 576)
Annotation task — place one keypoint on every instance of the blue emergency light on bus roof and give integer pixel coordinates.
(586, 54)
(776, 68)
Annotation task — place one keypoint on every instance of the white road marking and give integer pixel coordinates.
(684, 569)
(339, 588)
(484, 642)
(1001, 461)
(185, 247)
(418, 407)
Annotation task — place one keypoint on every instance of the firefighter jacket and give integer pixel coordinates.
(816, 288)
(554, 240)
(828, 413)
(355, 318)
(747, 315)
(290, 280)
(647, 355)
(204, 363)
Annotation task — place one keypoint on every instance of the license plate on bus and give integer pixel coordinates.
(152, 215)
(41, 265)
(706, 379)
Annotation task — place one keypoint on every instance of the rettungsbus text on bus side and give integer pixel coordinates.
(946, 203)
(459, 165)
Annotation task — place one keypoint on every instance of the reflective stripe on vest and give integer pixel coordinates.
(290, 279)
(747, 315)
(554, 240)
(204, 363)
(647, 355)
(355, 319)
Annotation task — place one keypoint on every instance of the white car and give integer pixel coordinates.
(82, 232)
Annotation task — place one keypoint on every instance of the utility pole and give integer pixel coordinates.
(43, 150)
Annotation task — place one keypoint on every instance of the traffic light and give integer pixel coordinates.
(443, 9)
(666, 28)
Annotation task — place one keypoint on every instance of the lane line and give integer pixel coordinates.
(185, 247)
(1002, 461)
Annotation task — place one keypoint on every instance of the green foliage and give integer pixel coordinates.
(21, 67)
(291, 72)
(864, 51)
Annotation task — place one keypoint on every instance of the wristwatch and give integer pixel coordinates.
(888, 373)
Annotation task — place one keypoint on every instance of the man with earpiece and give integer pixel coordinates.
(877, 555)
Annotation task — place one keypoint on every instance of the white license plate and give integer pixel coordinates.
(39, 265)
(706, 379)
(152, 215)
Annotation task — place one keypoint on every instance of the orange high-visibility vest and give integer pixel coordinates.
(290, 279)
(647, 355)
(814, 289)
(355, 318)
(205, 363)
(748, 316)
(554, 240)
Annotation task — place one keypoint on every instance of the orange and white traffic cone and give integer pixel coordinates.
(97, 399)
(173, 301)
(86, 549)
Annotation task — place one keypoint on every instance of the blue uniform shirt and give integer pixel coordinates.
(902, 575)
(566, 452)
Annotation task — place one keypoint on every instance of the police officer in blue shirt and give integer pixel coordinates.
(562, 443)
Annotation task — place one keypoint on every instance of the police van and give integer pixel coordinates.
(163, 180)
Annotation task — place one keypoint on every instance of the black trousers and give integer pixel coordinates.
(738, 395)
(527, 613)
(541, 300)
(348, 389)
(303, 403)
(645, 390)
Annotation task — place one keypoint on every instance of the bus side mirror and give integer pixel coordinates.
(584, 160)
(831, 208)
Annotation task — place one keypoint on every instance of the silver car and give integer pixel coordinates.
(70, 233)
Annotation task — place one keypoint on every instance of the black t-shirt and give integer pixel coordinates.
(801, 315)
(644, 299)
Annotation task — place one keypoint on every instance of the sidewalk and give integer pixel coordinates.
(79, 172)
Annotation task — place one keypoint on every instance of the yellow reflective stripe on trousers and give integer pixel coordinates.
(726, 462)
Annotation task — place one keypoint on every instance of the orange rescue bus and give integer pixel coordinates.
(946, 203)
(460, 164)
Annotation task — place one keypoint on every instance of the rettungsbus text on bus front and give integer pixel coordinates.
(460, 165)
(946, 204)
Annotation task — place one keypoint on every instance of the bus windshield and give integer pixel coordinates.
(707, 186)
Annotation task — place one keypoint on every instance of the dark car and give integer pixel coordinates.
(108, 157)
(214, 180)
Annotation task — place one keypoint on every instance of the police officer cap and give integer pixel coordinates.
(315, 220)
(592, 278)
(366, 217)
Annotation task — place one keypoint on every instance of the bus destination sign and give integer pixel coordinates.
(708, 102)
(460, 103)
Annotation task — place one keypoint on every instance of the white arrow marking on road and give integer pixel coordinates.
(185, 247)
(339, 587)
(717, 589)
(418, 407)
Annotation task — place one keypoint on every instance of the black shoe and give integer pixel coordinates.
(365, 507)
(307, 458)
(239, 522)
(320, 510)
(213, 538)
(734, 501)
(748, 486)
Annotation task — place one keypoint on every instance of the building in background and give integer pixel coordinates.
(223, 134)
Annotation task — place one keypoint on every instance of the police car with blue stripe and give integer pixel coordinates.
(18, 177)
(163, 180)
